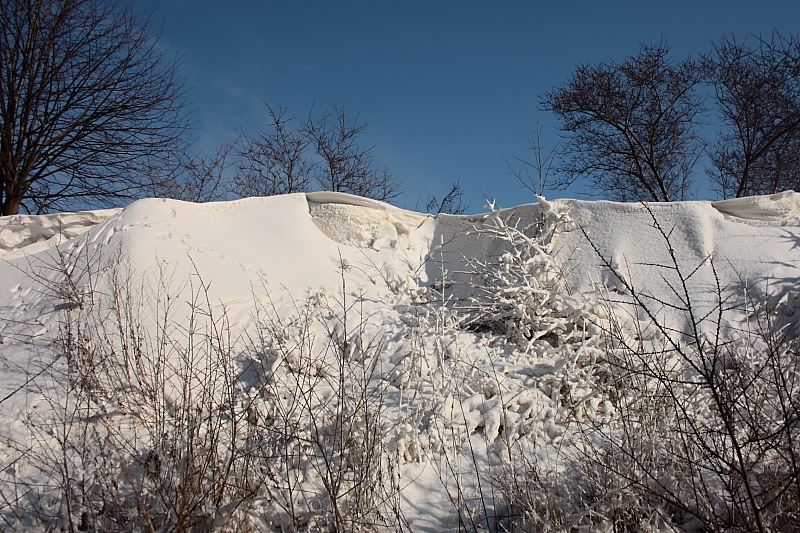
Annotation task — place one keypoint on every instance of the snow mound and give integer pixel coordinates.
(360, 222)
(471, 333)
(782, 208)
(19, 231)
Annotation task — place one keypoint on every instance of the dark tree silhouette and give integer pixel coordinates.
(344, 165)
(275, 162)
(631, 126)
(92, 108)
(757, 94)
(450, 202)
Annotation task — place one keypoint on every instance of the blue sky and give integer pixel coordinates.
(449, 88)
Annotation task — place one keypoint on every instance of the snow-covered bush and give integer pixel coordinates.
(537, 370)
(673, 414)
(522, 293)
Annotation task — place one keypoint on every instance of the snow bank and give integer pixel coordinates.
(758, 244)
(408, 272)
(19, 231)
(782, 208)
(337, 214)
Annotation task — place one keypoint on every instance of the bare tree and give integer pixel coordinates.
(273, 163)
(204, 178)
(92, 108)
(450, 203)
(757, 92)
(632, 126)
(345, 165)
(543, 164)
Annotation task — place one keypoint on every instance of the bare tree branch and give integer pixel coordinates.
(273, 163)
(92, 107)
(450, 204)
(345, 165)
(543, 164)
(632, 126)
(757, 92)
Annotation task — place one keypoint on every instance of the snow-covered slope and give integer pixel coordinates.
(399, 278)
(23, 231)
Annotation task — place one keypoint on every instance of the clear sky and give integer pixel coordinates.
(449, 87)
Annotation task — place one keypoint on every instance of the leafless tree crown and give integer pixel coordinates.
(345, 165)
(757, 91)
(451, 203)
(631, 126)
(92, 108)
(292, 155)
(274, 162)
(542, 165)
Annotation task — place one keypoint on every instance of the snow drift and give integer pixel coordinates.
(400, 279)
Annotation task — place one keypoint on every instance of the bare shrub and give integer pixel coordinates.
(162, 418)
(317, 389)
(151, 420)
(707, 431)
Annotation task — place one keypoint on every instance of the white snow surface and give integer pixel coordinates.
(780, 208)
(20, 231)
(288, 248)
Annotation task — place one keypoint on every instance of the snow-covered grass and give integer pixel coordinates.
(331, 363)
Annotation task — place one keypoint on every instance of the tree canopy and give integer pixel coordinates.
(631, 127)
(92, 108)
(757, 93)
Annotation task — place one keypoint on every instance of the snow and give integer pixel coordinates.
(388, 265)
(372, 227)
(782, 207)
(21, 231)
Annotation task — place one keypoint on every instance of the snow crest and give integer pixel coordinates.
(446, 342)
(782, 209)
(19, 231)
(364, 226)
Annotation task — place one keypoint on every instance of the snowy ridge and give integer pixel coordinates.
(479, 332)
(19, 231)
(780, 208)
